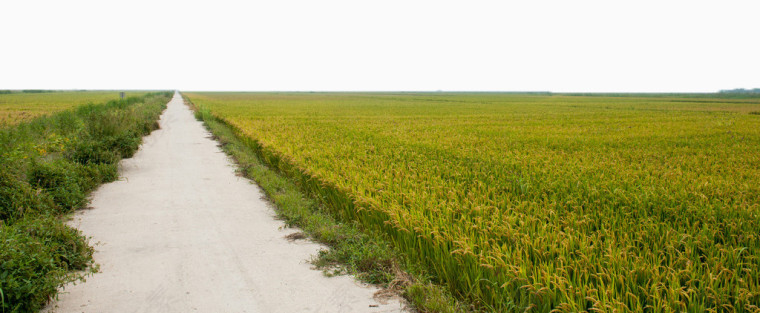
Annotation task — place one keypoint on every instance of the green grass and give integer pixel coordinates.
(48, 166)
(18, 107)
(534, 202)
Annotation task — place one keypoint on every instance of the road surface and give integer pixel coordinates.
(180, 232)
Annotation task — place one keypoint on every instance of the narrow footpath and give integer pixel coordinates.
(180, 232)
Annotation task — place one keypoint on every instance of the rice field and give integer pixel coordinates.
(535, 202)
(18, 107)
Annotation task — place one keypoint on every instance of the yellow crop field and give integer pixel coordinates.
(535, 202)
(18, 107)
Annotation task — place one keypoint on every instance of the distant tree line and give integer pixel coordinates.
(36, 91)
(5, 92)
(741, 90)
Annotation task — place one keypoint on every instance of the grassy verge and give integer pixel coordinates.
(48, 166)
(366, 254)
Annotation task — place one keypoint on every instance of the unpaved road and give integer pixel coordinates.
(180, 232)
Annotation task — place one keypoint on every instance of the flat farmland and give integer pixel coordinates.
(18, 107)
(540, 202)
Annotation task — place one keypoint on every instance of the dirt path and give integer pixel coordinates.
(181, 233)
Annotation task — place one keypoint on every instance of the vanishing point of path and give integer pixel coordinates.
(180, 232)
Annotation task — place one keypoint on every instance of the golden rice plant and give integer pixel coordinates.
(535, 203)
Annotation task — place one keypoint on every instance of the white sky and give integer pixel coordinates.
(591, 46)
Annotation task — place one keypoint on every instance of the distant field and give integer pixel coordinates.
(537, 202)
(18, 107)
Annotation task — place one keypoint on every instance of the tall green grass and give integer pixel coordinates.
(47, 168)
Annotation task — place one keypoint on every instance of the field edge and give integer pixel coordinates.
(366, 254)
